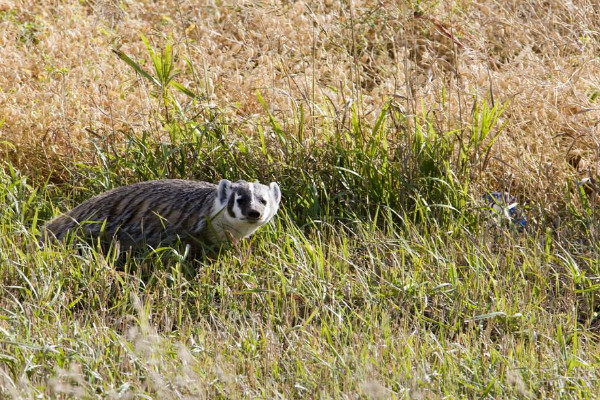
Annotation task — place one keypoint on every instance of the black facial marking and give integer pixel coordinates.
(230, 205)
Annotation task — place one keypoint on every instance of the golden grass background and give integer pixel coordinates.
(60, 80)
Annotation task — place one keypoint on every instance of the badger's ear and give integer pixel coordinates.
(224, 191)
(275, 192)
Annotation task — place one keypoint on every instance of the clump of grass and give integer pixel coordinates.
(401, 162)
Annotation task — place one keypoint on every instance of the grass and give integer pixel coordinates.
(386, 273)
(322, 312)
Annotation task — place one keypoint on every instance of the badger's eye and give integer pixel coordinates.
(263, 201)
(241, 201)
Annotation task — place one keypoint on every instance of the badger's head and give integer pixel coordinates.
(248, 204)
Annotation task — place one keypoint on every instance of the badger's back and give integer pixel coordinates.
(145, 213)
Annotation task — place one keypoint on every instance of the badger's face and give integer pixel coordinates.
(248, 203)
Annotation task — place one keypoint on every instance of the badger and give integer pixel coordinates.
(165, 212)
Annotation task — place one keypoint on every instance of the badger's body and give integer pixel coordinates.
(164, 212)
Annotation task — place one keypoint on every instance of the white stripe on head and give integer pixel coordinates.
(251, 189)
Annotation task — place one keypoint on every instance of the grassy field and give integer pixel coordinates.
(388, 272)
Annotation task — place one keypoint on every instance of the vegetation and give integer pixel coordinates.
(438, 235)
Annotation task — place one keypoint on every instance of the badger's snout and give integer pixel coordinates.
(253, 215)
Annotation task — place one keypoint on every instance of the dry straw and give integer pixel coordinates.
(59, 77)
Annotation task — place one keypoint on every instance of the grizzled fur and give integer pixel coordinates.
(164, 212)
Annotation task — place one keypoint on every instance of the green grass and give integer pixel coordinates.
(383, 276)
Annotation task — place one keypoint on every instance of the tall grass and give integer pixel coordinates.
(385, 274)
(402, 162)
(321, 312)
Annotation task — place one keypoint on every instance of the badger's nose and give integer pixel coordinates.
(253, 214)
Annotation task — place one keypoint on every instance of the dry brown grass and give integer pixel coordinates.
(58, 76)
